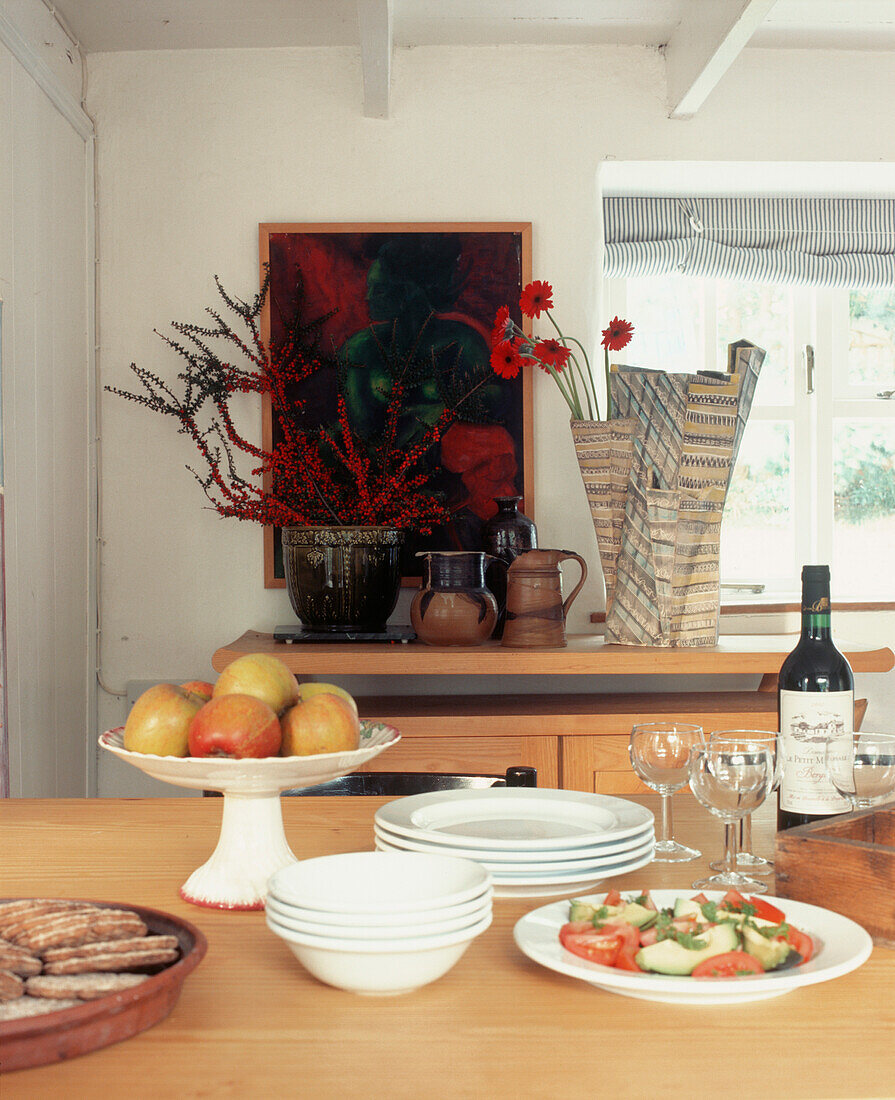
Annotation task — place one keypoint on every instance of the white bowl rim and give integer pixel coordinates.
(282, 887)
(379, 920)
(410, 946)
(366, 933)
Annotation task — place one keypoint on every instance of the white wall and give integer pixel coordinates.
(46, 383)
(197, 148)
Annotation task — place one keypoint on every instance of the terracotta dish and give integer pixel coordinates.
(56, 1036)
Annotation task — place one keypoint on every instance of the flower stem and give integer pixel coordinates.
(608, 391)
(586, 375)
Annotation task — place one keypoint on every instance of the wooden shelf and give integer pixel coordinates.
(585, 655)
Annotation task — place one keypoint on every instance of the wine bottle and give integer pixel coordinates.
(816, 703)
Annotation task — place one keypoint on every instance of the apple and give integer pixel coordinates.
(159, 721)
(324, 722)
(261, 675)
(238, 726)
(202, 688)
(305, 691)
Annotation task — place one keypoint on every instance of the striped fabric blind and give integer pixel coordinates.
(832, 242)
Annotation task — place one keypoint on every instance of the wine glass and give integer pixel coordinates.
(731, 779)
(755, 865)
(659, 753)
(862, 768)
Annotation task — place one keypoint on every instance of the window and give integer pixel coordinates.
(815, 476)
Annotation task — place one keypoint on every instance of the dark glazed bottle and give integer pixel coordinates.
(506, 535)
(816, 703)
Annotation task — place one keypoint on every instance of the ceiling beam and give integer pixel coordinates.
(374, 24)
(704, 45)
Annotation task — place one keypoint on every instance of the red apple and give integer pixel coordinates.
(261, 675)
(202, 688)
(238, 726)
(159, 721)
(309, 688)
(324, 722)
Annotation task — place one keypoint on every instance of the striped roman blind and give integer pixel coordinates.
(803, 241)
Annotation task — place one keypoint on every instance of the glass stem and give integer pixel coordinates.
(745, 842)
(730, 847)
(667, 827)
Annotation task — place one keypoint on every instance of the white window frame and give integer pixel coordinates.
(819, 320)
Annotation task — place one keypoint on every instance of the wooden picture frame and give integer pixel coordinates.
(479, 267)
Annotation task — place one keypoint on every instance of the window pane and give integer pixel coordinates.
(759, 512)
(864, 511)
(762, 314)
(667, 315)
(871, 338)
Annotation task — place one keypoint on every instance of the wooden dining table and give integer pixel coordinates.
(251, 1021)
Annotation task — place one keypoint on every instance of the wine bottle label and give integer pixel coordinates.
(808, 721)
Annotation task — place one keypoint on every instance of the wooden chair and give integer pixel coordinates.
(406, 783)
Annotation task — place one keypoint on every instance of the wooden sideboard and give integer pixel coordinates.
(578, 741)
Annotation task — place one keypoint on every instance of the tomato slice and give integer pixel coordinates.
(700, 899)
(590, 944)
(799, 941)
(625, 961)
(765, 911)
(614, 897)
(734, 899)
(732, 964)
(626, 933)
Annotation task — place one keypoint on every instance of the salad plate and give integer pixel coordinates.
(252, 843)
(514, 819)
(841, 946)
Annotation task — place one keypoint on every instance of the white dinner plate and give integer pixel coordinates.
(507, 860)
(544, 865)
(840, 947)
(514, 818)
(546, 885)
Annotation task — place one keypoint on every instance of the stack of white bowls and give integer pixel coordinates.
(379, 922)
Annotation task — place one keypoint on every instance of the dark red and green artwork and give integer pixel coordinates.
(408, 314)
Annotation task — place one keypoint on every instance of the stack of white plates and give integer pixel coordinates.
(376, 922)
(534, 841)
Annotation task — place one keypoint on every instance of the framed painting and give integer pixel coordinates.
(435, 288)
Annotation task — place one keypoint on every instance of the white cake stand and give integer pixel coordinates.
(252, 844)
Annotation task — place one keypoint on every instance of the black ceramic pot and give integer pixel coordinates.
(343, 578)
(505, 535)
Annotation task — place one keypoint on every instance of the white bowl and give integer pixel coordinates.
(372, 932)
(379, 969)
(380, 921)
(379, 882)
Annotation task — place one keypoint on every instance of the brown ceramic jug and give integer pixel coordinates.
(536, 613)
(453, 606)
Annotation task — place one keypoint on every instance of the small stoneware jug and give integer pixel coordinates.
(536, 613)
(453, 606)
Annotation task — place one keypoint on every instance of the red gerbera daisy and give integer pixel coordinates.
(503, 326)
(552, 353)
(536, 298)
(506, 360)
(618, 335)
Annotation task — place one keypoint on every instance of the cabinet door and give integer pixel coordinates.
(472, 755)
(599, 765)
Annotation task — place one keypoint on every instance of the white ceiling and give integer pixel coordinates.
(109, 25)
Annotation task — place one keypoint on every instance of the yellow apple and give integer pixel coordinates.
(261, 675)
(159, 721)
(305, 691)
(322, 723)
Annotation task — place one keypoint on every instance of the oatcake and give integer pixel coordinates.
(86, 987)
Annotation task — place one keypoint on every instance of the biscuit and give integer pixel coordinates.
(116, 960)
(12, 912)
(107, 947)
(34, 1006)
(84, 926)
(11, 986)
(19, 961)
(86, 987)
